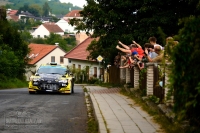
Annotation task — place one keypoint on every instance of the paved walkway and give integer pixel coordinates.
(117, 113)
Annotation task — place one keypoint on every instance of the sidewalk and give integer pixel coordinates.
(117, 113)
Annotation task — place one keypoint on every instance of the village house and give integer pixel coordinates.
(77, 58)
(43, 54)
(45, 29)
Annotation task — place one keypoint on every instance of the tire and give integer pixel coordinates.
(73, 88)
(31, 92)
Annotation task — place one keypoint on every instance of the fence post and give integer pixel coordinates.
(150, 78)
(169, 100)
(128, 75)
(136, 77)
(122, 73)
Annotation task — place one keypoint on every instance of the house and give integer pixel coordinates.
(42, 54)
(45, 29)
(65, 26)
(64, 22)
(11, 15)
(77, 58)
(73, 14)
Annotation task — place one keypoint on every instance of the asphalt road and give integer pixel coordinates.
(21, 112)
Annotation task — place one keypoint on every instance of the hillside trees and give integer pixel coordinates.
(46, 9)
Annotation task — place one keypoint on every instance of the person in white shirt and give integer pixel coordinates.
(153, 40)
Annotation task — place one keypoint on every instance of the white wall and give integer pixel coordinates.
(47, 59)
(65, 26)
(84, 64)
(41, 30)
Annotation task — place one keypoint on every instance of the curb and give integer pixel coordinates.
(97, 112)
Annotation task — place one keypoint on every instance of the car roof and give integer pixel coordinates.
(53, 66)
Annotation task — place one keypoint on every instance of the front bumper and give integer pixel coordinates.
(52, 86)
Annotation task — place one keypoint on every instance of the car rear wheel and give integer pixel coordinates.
(72, 88)
(31, 92)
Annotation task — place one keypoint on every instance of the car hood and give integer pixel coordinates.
(50, 76)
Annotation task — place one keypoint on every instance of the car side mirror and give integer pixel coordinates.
(64, 76)
(37, 74)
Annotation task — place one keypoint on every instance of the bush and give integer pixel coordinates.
(184, 78)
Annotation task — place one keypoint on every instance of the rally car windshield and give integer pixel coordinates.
(52, 70)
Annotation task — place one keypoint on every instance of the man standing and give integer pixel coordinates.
(153, 40)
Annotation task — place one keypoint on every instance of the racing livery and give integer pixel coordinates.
(52, 78)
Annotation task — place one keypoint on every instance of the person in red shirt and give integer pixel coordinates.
(130, 49)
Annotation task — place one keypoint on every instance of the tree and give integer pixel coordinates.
(14, 46)
(37, 8)
(126, 21)
(46, 9)
(55, 38)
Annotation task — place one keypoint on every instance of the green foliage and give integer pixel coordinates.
(46, 9)
(25, 23)
(13, 50)
(185, 68)
(55, 38)
(34, 9)
(12, 83)
(128, 20)
(154, 99)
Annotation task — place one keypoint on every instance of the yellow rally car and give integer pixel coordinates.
(52, 78)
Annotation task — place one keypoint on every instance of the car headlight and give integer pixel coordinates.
(63, 81)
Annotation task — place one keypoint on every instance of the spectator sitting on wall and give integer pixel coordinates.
(158, 58)
(150, 48)
(153, 41)
(130, 60)
(134, 47)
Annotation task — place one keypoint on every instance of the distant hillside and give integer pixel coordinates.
(56, 6)
(4, 2)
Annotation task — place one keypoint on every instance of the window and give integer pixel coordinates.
(38, 36)
(74, 66)
(69, 61)
(95, 71)
(52, 58)
(45, 36)
(61, 59)
(79, 67)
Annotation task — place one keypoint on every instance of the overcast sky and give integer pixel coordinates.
(79, 3)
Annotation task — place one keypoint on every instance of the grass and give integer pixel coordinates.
(166, 125)
(13, 83)
(92, 124)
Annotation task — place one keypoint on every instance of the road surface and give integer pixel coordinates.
(21, 112)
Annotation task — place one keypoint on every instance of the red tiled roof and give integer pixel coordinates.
(73, 13)
(39, 51)
(14, 17)
(52, 27)
(79, 52)
(12, 12)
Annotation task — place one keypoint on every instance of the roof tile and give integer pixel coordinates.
(39, 51)
(73, 13)
(52, 27)
(80, 52)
